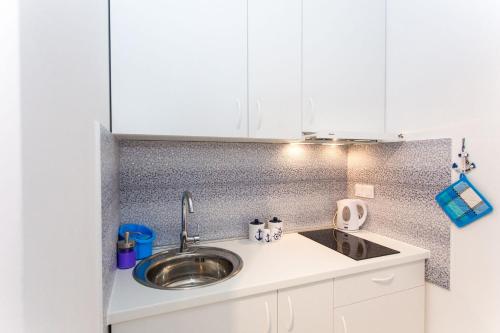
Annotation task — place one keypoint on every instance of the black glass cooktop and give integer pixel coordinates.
(348, 244)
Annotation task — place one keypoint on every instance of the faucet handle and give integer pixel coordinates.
(196, 238)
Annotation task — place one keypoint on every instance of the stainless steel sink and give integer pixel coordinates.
(197, 267)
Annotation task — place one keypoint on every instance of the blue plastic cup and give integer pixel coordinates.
(144, 238)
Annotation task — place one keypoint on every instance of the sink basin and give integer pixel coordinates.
(199, 266)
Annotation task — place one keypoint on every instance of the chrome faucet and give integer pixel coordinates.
(187, 204)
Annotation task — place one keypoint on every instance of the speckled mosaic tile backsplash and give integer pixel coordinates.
(407, 176)
(234, 183)
(110, 210)
(231, 183)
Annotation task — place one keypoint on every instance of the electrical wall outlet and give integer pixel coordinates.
(364, 191)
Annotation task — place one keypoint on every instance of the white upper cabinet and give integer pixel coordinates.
(274, 45)
(344, 65)
(247, 68)
(179, 67)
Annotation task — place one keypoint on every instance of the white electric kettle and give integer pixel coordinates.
(348, 217)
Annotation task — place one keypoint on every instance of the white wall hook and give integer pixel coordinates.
(465, 165)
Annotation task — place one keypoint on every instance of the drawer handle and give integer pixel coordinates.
(240, 114)
(384, 280)
(344, 324)
(259, 115)
(292, 319)
(268, 317)
(311, 117)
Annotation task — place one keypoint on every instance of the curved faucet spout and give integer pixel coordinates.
(187, 198)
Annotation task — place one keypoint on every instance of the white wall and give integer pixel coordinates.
(10, 175)
(444, 81)
(64, 90)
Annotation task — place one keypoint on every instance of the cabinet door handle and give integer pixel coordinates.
(268, 317)
(384, 280)
(311, 118)
(259, 115)
(292, 317)
(240, 114)
(344, 324)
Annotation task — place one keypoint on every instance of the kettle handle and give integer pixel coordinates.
(363, 205)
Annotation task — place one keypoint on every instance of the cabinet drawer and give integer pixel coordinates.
(402, 312)
(355, 288)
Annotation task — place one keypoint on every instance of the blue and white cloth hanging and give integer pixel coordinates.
(461, 201)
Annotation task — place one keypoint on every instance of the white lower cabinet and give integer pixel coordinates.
(388, 300)
(256, 314)
(306, 309)
(394, 313)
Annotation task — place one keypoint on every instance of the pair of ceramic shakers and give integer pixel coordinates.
(258, 232)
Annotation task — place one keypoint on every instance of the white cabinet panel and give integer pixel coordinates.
(344, 65)
(306, 309)
(264, 69)
(256, 314)
(394, 313)
(179, 67)
(274, 44)
(355, 288)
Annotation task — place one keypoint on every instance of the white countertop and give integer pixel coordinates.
(293, 261)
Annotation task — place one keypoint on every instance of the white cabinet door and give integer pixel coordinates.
(274, 49)
(256, 314)
(394, 313)
(179, 67)
(306, 309)
(344, 65)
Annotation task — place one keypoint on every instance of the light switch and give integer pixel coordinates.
(364, 191)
